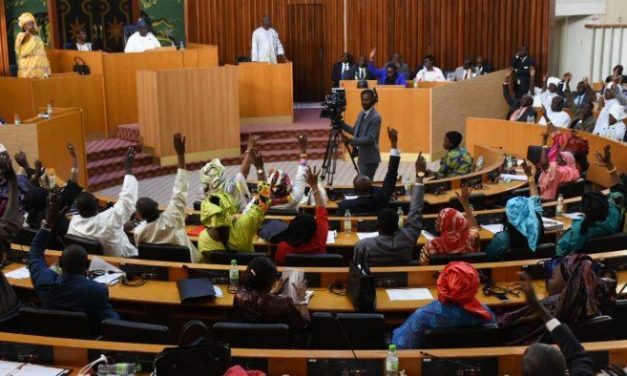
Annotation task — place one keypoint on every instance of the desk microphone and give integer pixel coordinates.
(348, 341)
(453, 362)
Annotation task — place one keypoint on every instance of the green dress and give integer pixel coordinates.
(457, 161)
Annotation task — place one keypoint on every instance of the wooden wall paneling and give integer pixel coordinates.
(16, 97)
(4, 41)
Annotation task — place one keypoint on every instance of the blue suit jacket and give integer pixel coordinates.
(67, 292)
(381, 75)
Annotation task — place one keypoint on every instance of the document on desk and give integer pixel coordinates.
(331, 235)
(495, 228)
(409, 294)
(427, 235)
(512, 177)
(27, 369)
(552, 224)
(575, 215)
(19, 273)
(367, 235)
(111, 275)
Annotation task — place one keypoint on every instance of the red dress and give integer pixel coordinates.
(316, 245)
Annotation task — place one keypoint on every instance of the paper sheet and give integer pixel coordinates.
(19, 273)
(367, 235)
(493, 228)
(22, 369)
(575, 215)
(349, 197)
(427, 235)
(111, 274)
(219, 292)
(551, 224)
(514, 177)
(409, 294)
(331, 235)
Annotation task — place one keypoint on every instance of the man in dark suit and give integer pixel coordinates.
(341, 69)
(365, 141)
(519, 109)
(542, 359)
(70, 290)
(524, 67)
(482, 67)
(371, 200)
(360, 71)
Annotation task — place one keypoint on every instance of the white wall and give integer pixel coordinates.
(616, 12)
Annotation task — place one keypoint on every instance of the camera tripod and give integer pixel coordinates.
(329, 164)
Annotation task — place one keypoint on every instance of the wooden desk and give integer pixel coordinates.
(197, 102)
(45, 139)
(266, 93)
(352, 84)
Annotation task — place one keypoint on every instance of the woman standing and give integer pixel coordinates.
(29, 50)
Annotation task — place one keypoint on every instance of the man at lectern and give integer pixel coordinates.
(142, 40)
(267, 46)
(29, 49)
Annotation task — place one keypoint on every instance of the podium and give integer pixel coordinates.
(45, 139)
(201, 103)
(266, 93)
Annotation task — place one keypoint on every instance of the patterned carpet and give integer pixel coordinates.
(160, 188)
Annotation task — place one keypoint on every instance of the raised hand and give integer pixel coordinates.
(55, 209)
(393, 136)
(302, 143)
(421, 164)
(179, 143)
(373, 53)
(312, 177)
(532, 71)
(527, 168)
(567, 77)
(606, 158)
(464, 196)
(6, 168)
(258, 159)
(71, 150)
(21, 159)
(129, 158)
(252, 141)
(525, 285)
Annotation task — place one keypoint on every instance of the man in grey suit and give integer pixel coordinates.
(365, 141)
(395, 246)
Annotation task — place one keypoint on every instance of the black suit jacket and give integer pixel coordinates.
(487, 68)
(350, 75)
(579, 363)
(336, 73)
(380, 197)
(514, 104)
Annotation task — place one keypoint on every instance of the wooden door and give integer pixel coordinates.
(305, 49)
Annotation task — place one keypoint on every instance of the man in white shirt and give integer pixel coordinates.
(169, 226)
(142, 40)
(548, 91)
(556, 114)
(465, 72)
(266, 44)
(429, 72)
(107, 227)
(615, 129)
(609, 97)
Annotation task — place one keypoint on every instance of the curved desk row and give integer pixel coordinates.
(74, 354)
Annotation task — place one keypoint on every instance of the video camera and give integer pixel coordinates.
(334, 106)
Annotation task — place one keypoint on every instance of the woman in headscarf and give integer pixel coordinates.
(306, 234)
(563, 170)
(29, 49)
(577, 292)
(456, 306)
(569, 141)
(601, 217)
(458, 233)
(523, 226)
(457, 160)
(225, 229)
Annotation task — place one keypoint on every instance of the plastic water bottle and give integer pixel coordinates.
(17, 120)
(347, 221)
(49, 109)
(401, 222)
(181, 45)
(415, 84)
(391, 362)
(407, 187)
(559, 208)
(118, 369)
(233, 277)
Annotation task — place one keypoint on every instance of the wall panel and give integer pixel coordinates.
(449, 29)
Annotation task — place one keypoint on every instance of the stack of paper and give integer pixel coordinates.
(366, 235)
(19, 273)
(575, 215)
(552, 224)
(495, 228)
(27, 369)
(331, 235)
(111, 274)
(409, 294)
(512, 177)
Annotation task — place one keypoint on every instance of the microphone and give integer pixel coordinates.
(347, 340)
(453, 362)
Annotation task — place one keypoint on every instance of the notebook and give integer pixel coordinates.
(194, 289)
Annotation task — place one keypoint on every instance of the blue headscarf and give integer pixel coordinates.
(521, 214)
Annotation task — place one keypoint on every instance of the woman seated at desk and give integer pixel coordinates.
(523, 226)
(576, 292)
(29, 49)
(458, 234)
(563, 170)
(457, 160)
(456, 306)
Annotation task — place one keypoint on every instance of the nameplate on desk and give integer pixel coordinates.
(325, 367)
(385, 280)
(145, 360)
(460, 366)
(147, 272)
(27, 353)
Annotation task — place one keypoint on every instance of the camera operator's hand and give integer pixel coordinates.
(345, 139)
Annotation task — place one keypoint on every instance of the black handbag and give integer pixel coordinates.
(80, 67)
(199, 357)
(361, 287)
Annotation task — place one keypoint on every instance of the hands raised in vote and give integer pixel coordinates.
(302, 143)
(393, 137)
(129, 158)
(312, 177)
(604, 159)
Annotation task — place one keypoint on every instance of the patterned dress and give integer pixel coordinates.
(457, 161)
(31, 57)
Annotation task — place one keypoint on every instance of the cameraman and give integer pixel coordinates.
(365, 141)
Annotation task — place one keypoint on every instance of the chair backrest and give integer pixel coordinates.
(260, 336)
(486, 335)
(164, 252)
(533, 153)
(467, 257)
(93, 247)
(54, 323)
(364, 330)
(25, 236)
(225, 257)
(546, 250)
(600, 328)
(572, 189)
(608, 243)
(136, 332)
(620, 318)
(329, 259)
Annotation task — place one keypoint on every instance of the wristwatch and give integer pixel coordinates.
(260, 171)
(420, 174)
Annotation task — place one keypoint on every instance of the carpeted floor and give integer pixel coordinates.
(160, 188)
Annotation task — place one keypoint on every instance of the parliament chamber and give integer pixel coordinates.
(316, 187)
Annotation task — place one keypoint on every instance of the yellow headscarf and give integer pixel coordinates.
(25, 18)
